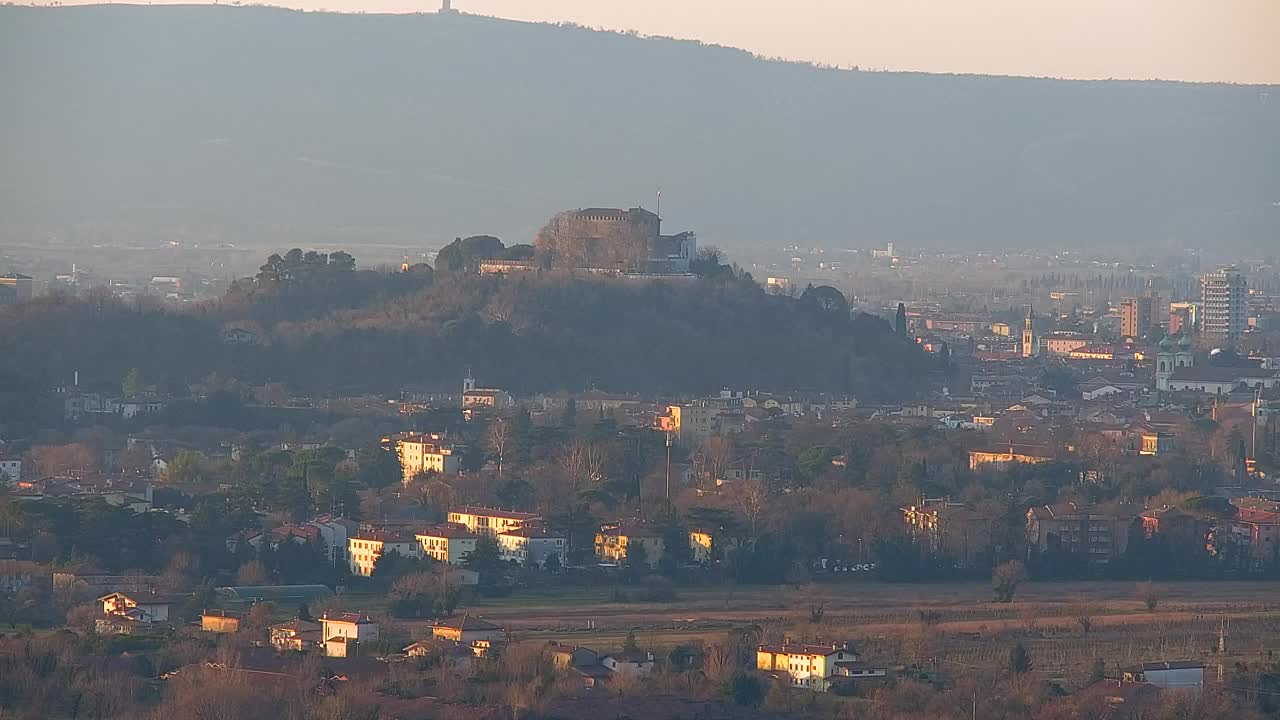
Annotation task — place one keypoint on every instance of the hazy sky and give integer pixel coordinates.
(1229, 40)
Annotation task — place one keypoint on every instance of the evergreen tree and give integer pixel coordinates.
(901, 323)
(1020, 660)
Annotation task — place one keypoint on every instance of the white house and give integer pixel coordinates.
(140, 607)
(10, 469)
(532, 545)
(343, 632)
(630, 663)
(1093, 392)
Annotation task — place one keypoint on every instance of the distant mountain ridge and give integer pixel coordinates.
(282, 127)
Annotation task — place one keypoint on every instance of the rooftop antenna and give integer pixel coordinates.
(659, 203)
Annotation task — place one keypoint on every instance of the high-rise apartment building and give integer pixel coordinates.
(1135, 316)
(1223, 314)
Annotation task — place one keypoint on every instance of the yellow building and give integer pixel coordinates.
(700, 544)
(1014, 454)
(614, 542)
(425, 453)
(490, 521)
(1157, 443)
(811, 667)
(690, 424)
(364, 549)
(448, 543)
(220, 621)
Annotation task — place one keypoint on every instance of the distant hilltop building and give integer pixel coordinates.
(615, 239)
(886, 254)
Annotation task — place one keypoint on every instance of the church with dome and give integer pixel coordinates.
(1171, 355)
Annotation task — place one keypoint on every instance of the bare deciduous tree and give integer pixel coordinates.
(499, 437)
(750, 497)
(714, 456)
(1083, 614)
(583, 462)
(1149, 595)
(719, 662)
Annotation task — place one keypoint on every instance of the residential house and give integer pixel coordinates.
(445, 651)
(490, 521)
(565, 657)
(1173, 522)
(10, 469)
(1256, 528)
(533, 545)
(297, 635)
(1157, 443)
(692, 423)
(126, 614)
(364, 549)
(709, 545)
(334, 532)
(447, 543)
(140, 606)
(812, 667)
(343, 633)
(615, 541)
(629, 663)
(949, 529)
(1071, 528)
(425, 453)
(467, 630)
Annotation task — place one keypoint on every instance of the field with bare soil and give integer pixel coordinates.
(947, 627)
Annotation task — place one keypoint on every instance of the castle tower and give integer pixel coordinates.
(1029, 333)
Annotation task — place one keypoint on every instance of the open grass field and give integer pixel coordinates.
(947, 626)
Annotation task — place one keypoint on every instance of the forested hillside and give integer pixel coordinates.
(281, 128)
(329, 328)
